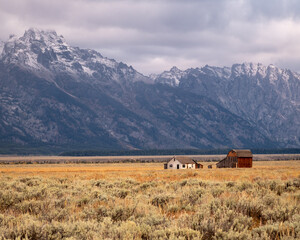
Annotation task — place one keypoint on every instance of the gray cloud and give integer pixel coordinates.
(152, 36)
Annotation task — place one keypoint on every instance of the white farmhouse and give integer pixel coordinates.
(182, 163)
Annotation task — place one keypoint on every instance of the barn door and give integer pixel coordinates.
(177, 166)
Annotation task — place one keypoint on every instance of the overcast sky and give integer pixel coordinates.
(154, 35)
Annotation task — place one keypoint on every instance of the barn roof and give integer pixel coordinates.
(184, 160)
(221, 161)
(243, 152)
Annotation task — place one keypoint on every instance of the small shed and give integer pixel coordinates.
(237, 158)
(182, 163)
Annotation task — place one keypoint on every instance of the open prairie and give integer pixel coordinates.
(280, 170)
(144, 201)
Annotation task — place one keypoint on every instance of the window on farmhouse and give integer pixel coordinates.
(171, 165)
(183, 165)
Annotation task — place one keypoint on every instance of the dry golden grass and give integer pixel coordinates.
(144, 201)
(143, 172)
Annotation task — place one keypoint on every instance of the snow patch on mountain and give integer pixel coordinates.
(216, 71)
(49, 54)
(88, 70)
(174, 75)
(249, 70)
(171, 77)
(265, 95)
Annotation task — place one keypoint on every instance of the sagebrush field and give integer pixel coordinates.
(143, 201)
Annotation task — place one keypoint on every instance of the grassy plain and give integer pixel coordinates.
(143, 201)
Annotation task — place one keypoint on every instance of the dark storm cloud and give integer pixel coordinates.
(155, 35)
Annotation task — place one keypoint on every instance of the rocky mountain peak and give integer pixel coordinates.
(35, 38)
(171, 77)
(58, 93)
(270, 74)
(34, 34)
(248, 69)
(175, 69)
(216, 71)
(46, 52)
(33, 48)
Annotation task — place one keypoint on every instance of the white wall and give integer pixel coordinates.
(174, 165)
(192, 166)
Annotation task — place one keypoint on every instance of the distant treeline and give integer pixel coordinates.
(149, 152)
(156, 152)
(276, 151)
(74, 150)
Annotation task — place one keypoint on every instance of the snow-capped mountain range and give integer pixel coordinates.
(55, 94)
(266, 95)
(47, 53)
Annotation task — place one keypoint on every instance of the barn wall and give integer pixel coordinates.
(228, 162)
(232, 161)
(244, 162)
(221, 164)
(199, 165)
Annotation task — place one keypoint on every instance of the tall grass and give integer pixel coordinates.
(152, 204)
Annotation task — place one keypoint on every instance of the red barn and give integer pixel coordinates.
(237, 158)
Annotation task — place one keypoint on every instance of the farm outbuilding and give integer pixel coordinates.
(182, 163)
(237, 158)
